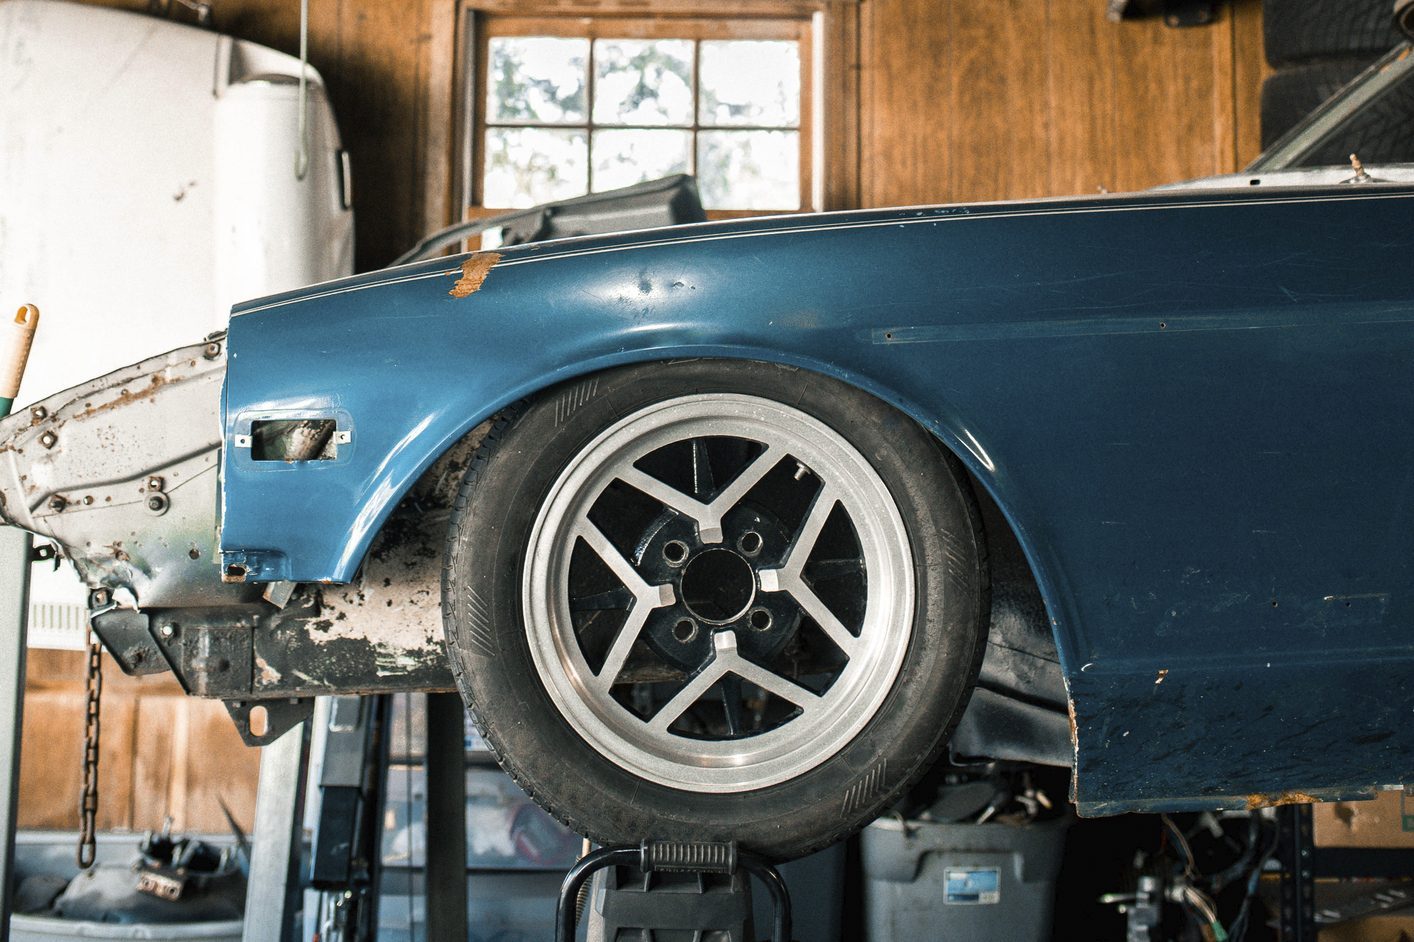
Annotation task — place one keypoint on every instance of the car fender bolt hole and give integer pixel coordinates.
(685, 630)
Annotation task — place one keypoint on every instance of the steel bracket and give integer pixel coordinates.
(45, 552)
(281, 716)
(128, 637)
(212, 661)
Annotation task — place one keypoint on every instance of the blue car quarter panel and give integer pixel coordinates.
(1194, 409)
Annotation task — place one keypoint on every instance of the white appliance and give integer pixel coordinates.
(152, 173)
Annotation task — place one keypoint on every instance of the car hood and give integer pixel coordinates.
(468, 271)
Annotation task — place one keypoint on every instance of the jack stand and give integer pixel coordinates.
(685, 907)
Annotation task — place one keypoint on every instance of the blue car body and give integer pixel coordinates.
(1193, 409)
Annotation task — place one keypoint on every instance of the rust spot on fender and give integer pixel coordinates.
(474, 272)
(1260, 800)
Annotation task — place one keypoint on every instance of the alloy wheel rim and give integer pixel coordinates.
(710, 550)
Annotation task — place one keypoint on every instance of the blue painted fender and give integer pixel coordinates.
(1193, 408)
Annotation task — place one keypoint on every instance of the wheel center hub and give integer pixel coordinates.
(718, 586)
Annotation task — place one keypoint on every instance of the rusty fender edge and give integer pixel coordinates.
(121, 473)
(1097, 809)
(378, 634)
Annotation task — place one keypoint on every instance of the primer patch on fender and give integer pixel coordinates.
(474, 272)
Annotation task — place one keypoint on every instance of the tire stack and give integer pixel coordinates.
(1317, 46)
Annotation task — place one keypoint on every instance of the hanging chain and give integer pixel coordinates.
(88, 804)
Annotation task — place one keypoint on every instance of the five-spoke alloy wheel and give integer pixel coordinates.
(714, 599)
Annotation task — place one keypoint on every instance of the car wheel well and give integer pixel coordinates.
(1013, 575)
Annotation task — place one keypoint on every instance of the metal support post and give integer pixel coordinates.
(15, 558)
(14, 617)
(446, 818)
(1298, 875)
(348, 772)
(273, 890)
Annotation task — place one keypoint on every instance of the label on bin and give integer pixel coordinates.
(972, 885)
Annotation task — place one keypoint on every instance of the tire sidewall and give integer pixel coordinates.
(505, 489)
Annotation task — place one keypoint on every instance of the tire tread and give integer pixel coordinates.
(490, 447)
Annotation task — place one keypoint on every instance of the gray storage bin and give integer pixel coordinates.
(52, 852)
(960, 881)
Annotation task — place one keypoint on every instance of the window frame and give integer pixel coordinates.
(617, 26)
(826, 29)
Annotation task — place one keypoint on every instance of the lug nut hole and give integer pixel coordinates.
(760, 619)
(675, 551)
(750, 543)
(685, 630)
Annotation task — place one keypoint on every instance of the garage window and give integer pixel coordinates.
(572, 105)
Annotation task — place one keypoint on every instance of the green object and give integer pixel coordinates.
(5, 405)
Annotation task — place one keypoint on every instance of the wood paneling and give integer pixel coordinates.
(1007, 99)
(955, 99)
(1249, 69)
(161, 753)
(907, 70)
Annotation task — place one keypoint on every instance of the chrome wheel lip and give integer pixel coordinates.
(798, 745)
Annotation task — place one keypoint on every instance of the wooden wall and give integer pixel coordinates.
(957, 100)
(1011, 99)
(161, 753)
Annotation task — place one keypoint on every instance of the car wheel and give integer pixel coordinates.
(714, 600)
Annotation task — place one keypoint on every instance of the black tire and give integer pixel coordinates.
(1298, 31)
(1291, 94)
(514, 474)
(1382, 132)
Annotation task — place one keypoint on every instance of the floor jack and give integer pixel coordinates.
(670, 891)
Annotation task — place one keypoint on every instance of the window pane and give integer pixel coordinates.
(623, 158)
(537, 80)
(752, 82)
(526, 166)
(643, 81)
(749, 169)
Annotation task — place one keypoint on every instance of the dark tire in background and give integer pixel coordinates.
(1318, 46)
(1291, 94)
(1381, 133)
(1298, 31)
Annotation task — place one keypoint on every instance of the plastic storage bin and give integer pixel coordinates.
(960, 881)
